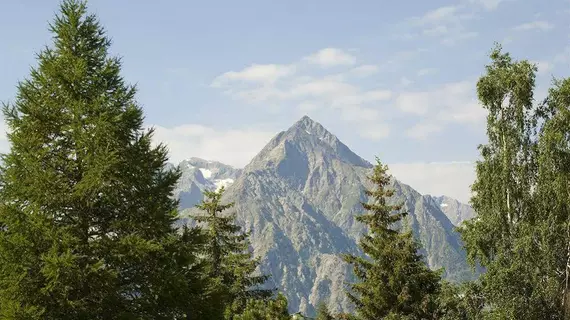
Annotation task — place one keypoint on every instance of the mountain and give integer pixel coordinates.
(199, 175)
(299, 197)
(456, 211)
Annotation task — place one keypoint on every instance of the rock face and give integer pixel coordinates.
(456, 211)
(199, 175)
(299, 197)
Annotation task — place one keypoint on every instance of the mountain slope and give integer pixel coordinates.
(299, 197)
(456, 211)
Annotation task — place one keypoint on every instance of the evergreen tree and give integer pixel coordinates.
(86, 211)
(323, 312)
(265, 309)
(229, 260)
(394, 280)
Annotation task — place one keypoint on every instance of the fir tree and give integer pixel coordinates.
(86, 208)
(229, 260)
(323, 312)
(265, 309)
(394, 281)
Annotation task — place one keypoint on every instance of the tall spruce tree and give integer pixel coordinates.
(394, 281)
(323, 312)
(265, 309)
(228, 258)
(86, 212)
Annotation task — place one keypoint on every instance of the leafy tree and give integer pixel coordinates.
(228, 257)
(551, 224)
(460, 302)
(394, 280)
(265, 309)
(86, 210)
(513, 234)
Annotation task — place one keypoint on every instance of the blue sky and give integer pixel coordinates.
(390, 78)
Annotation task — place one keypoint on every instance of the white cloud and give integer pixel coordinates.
(426, 71)
(364, 70)
(446, 23)
(421, 131)
(436, 31)
(450, 102)
(377, 132)
(452, 179)
(330, 57)
(487, 4)
(264, 73)
(543, 67)
(232, 146)
(438, 15)
(404, 81)
(363, 98)
(413, 102)
(323, 87)
(534, 25)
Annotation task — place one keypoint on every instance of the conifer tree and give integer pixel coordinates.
(394, 281)
(323, 312)
(229, 260)
(86, 211)
(265, 309)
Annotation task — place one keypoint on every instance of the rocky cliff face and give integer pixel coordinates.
(299, 197)
(456, 211)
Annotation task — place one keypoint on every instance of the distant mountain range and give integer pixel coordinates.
(299, 197)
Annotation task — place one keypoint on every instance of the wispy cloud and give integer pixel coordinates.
(437, 178)
(426, 71)
(488, 4)
(365, 70)
(540, 25)
(446, 23)
(264, 73)
(453, 102)
(354, 101)
(422, 131)
(330, 57)
(212, 143)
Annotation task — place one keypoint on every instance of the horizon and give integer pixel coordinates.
(219, 80)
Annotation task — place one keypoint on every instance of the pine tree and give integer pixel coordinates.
(86, 208)
(229, 260)
(265, 309)
(394, 281)
(323, 312)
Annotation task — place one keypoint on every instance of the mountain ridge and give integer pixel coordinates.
(299, 196)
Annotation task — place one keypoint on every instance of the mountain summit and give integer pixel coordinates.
(299, 197)
(307, 137)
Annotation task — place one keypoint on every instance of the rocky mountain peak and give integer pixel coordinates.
(306, 144)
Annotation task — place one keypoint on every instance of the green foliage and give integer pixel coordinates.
(521, 195)
(323, 312)
(86, 210)
(265, 309)
(230, 263)
(460, 302)
(394, 282)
